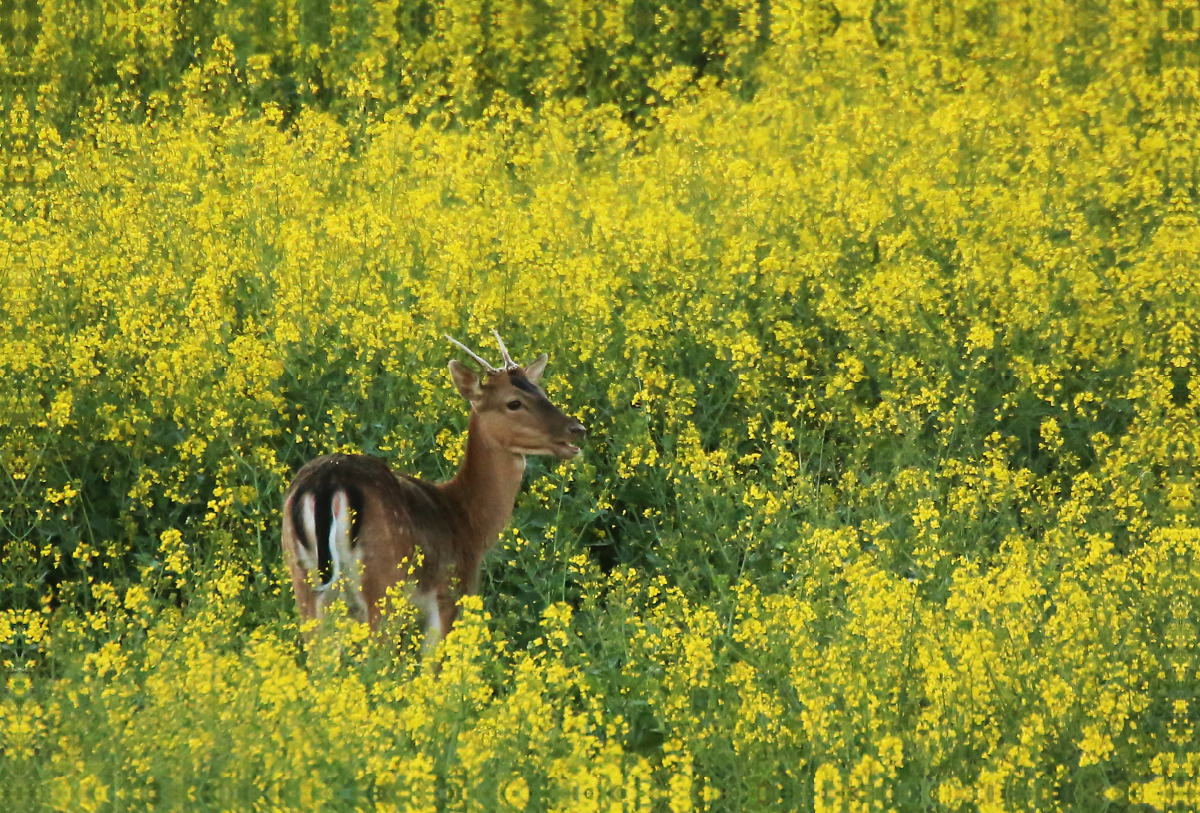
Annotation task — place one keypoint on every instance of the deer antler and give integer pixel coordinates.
(509, 364)
(489, 368)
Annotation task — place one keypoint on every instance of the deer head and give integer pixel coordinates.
(511, 410)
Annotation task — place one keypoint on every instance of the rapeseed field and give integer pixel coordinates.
(882, 317)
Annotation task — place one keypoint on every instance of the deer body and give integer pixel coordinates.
(352, 528)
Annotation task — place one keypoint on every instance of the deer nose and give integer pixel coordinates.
(576, 430)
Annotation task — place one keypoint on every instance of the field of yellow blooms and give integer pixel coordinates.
(882, 316)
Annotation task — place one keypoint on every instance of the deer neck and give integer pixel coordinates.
(486, 486)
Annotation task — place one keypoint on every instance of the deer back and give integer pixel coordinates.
(397, 529)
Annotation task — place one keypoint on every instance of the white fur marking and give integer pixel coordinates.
(427, 603)
(308, 551)
(338, 528)
(345, 558)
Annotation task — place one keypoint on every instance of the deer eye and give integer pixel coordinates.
(514, 405)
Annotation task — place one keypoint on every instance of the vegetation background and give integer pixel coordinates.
(882, 316)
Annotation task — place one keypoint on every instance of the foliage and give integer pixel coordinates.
(444, 60)
(885, 339)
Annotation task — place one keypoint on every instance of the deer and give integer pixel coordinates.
(353, 528)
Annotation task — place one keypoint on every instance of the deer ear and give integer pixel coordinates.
(534, 371)
(465, 381)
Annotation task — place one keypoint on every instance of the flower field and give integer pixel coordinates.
(882, 317)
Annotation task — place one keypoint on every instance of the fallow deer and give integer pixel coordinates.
(354, 528)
